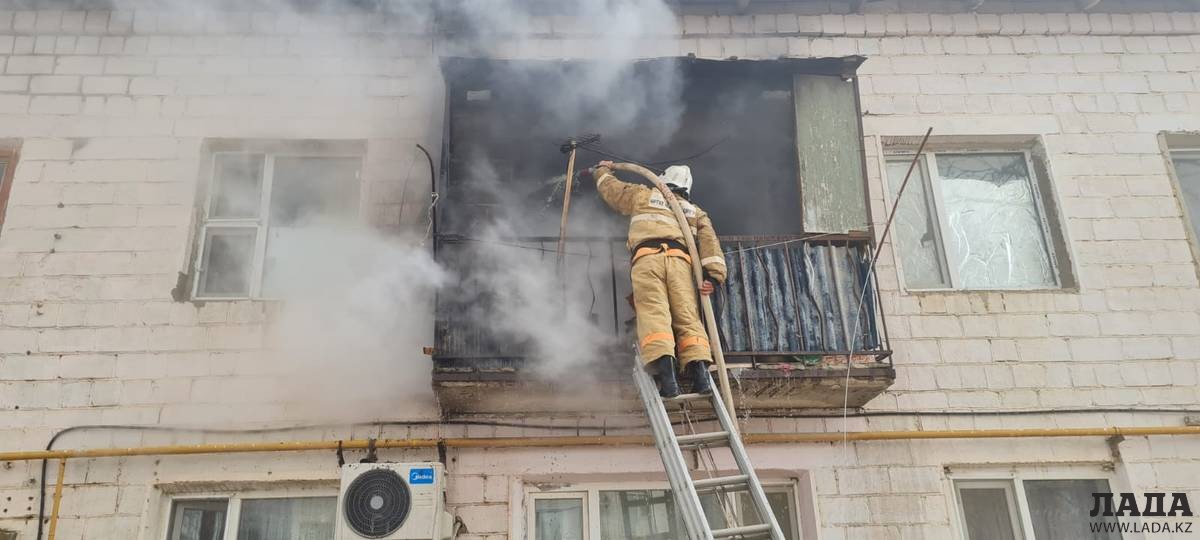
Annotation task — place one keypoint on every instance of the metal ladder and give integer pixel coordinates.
(684, 488)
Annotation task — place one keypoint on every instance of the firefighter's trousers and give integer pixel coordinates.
(668, 315)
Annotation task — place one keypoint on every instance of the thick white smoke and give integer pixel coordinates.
(356, 303)
(354, 319)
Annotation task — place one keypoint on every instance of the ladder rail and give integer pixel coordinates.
(706, 462)
(757, 494)
(683, 490)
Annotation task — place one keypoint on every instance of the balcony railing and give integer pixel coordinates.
(788, 299)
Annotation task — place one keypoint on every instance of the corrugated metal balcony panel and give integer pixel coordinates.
(797, 297)
(781, 297)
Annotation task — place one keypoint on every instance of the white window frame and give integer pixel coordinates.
(1013, 480)
(590, 494)
(1192, 152)
(928, 165)
(259, 224)
(233, 511)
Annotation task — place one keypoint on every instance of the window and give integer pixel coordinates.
(973, 220)
(1187, 174)
(1031, 509)
(257, 210)
(644, 514)
(276, 518)
(7, 166)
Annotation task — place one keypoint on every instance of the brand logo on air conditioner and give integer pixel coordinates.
(420, 476)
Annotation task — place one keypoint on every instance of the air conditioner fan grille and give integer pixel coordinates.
(377, 503)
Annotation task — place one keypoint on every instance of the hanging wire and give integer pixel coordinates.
(853, 337)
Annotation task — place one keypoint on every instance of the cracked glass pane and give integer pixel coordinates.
(1187, 169)
(996, 239)
(916, 229)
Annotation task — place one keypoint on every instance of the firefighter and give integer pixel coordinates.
(669, 330)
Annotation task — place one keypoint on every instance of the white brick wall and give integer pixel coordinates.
(111, 110)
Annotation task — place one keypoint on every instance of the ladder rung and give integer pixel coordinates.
(721, 481)
(703, 438)
(687, 397)
(742, 531)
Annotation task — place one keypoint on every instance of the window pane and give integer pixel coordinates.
(310, 188)
(1061, 508)
(1187, 169)
(639, 515)
(916, 229)
(305, 193)
(988, 513)
(996, 237)
(780, 503)
(237, 185)
(197, 520)
(559, 519)
(228, 257)
(308, 518)
(651, 514)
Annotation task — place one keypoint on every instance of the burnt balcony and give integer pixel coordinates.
(776, 148)
(794, 315)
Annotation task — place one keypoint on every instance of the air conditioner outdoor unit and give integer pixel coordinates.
(393, 501)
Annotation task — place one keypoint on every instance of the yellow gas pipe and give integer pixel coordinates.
(555, 442)
(58, 487)
(585, 440)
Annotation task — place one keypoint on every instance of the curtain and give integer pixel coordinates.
(308, 518)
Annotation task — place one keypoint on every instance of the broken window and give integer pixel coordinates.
(253, 518)
(972, 220)
(259, 206)
(1032, 509)
(1187, 174)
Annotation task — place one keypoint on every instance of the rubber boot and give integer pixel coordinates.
(663, 370)
(698, 373)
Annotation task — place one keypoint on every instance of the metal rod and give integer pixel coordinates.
(562, 226)
(586, 440)
(58, 488)
(887, 227)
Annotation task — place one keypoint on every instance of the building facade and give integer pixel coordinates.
(217, 227)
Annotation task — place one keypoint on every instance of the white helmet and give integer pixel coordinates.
(678, 176)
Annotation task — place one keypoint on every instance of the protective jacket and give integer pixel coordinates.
(651, 218)
(664, 292)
